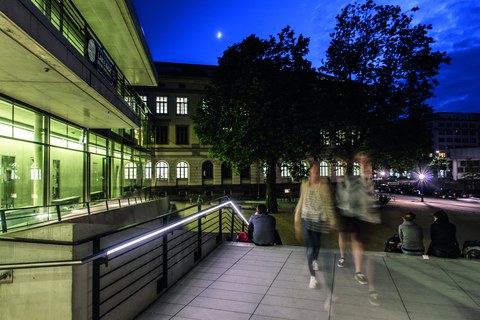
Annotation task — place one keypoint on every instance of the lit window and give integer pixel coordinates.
(339, 137)
(148, 170)
(35, 172)
(356, 169)
(161, 105)
(182, 170)
(340, 169)
(324, 137)
(324, 169)
(162, 170)
(131, 171)
(285, 170)
(182, 105)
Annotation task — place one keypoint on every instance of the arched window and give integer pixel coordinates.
(245, 173)
(324, 169)
(207, 170)
(182, 170)
(162, 170)
(131, 171)
(148, 170)
(340, 169)
(285, 170)
(226, 171)
(356, 169)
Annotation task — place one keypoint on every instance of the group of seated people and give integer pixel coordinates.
(262, 228)
(442, 233)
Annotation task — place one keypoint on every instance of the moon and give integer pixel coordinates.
(219, 35)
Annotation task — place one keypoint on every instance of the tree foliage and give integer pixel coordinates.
(254, 109)
(388, 67)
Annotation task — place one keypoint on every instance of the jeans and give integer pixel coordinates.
(412, 253)
(312, 242)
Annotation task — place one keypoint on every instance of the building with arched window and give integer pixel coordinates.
(180, 91)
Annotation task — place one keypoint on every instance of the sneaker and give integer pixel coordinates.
(341, 262)
(315, 265)
(360, 277)
(313, 282)
(373, 298)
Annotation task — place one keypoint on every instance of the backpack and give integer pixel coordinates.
(471, 249)
(242, 237)
(391, 244)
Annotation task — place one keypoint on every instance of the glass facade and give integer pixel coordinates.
(46, 161)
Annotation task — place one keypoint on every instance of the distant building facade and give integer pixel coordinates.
(451, 130)
(456, 140)
(181, 163)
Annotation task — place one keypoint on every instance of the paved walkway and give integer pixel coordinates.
(242, 281)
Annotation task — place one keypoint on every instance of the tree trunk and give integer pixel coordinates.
(271, 185)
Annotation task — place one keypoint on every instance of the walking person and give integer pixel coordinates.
(354, 216)
(314, 216)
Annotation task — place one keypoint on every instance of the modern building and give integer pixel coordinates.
(465, 164)
(72, 129)
(451, 130)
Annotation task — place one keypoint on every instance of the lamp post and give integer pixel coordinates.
(421, 176)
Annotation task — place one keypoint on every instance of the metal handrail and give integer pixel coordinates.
(55, 211)
(105, 253)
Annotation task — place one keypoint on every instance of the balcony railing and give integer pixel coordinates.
(66, 18)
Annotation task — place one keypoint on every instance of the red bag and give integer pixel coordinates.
(242, 237)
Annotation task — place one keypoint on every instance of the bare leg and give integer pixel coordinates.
(357, 251)
(342, 243)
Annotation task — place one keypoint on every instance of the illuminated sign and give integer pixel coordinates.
(97, 57)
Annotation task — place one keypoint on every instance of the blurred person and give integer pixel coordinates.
(314, 216)
(355, 214)
(411, 236)
(261, 229)
(444, 237)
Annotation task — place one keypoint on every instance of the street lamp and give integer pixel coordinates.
(421, 176)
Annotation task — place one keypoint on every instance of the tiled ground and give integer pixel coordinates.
(242, 281)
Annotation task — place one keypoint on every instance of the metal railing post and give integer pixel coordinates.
(198, 256)
(96, 281)
(4, 220)
(232, 229)
(220, 226)
(59, 215)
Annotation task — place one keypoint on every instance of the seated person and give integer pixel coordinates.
(444, 237)
(411, 236)
(261, 229)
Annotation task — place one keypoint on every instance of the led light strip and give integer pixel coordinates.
(184, 221)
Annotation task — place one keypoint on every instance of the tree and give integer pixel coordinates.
(254, 109)
(388, 71)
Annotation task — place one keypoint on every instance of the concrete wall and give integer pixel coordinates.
(63, 292)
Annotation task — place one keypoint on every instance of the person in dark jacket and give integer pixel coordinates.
(261, 229)
(444, 237)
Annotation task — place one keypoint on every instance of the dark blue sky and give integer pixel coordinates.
(186, 31)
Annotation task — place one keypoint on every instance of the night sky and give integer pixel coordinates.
(199, 31)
